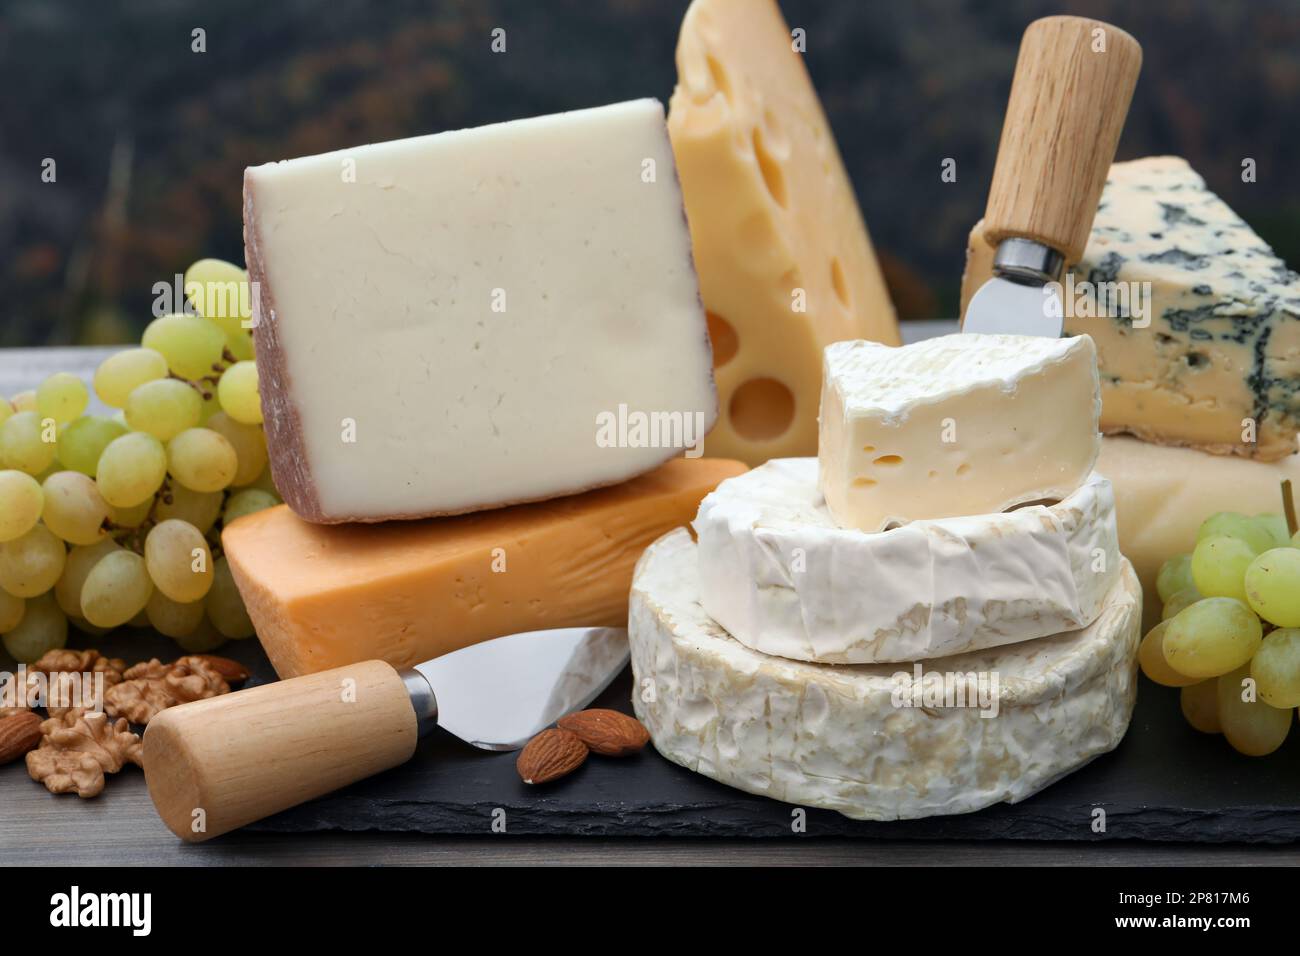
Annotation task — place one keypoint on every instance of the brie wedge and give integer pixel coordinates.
(867, 740)
(955, 425)
(782, 578)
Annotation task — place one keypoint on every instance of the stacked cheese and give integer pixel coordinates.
(932, 617)
(444, 329)
(1197, 325)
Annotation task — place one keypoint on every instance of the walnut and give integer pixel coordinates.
(152, 687)
(63, 669)
(78, 748)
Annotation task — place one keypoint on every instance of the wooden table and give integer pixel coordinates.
(120, 827)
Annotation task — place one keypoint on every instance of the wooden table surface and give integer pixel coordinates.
(120, 827)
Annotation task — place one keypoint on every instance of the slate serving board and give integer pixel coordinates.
(1165, 782)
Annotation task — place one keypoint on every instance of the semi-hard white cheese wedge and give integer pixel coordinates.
(1163, 493)
(476, 318)
(782, 578)
(955, 425)
(786, 265)
(1196, 319)
(875, 741)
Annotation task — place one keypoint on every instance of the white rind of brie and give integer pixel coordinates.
(833, 737)
(784, 579)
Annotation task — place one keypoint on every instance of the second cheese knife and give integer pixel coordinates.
(215, 765)
(1073, 84)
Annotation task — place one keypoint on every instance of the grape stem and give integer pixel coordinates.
(206, 395)
(1288, 506)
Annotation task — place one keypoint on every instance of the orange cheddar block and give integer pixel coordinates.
(322, 596)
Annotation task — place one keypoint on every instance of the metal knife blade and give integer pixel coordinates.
(1004, 307)
(500, 693)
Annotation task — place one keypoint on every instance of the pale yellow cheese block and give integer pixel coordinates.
(322, 596)
(1163, 493)
(774, 223)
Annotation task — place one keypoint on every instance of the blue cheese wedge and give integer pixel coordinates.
(875, 741)
(1208, 353)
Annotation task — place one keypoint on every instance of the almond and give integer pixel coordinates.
(19, 733)
(606, 732)
(232, 672)
(550, 755)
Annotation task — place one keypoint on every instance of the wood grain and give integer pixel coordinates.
(1069, 100)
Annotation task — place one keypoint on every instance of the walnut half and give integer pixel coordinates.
(152, 687)
(78, 748)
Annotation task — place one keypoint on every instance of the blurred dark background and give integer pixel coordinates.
(150, 138)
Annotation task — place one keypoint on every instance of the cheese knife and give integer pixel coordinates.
(1070, 96)
(215, 765)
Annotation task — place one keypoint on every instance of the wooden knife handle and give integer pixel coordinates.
(214, 765)
(1069, 98)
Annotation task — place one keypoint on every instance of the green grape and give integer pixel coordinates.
(1276, 527)
(203, 639)
(199, 508)
(202, 459)
(1230, 524)
(191, 345)
(1151, 658)
(1200, 705)
(21, 502)
(172, 618)
(116, 589)
(44, 628)
(1180, 600)
(5, 409)
(246, 502)
(62, 397)
(131, 517)
(179, 561)
(219, 291)
(249, 442)
(27, 444)
(67, 590)
(266, 482)
(131, 469)
(74, 509)
(238, 393)
(31, 564)
(1219, 566)
(123, 372)
(211, 406)
(163, 409)
(225, 607)
(240, 345)
(24, 401)
(1211, 637)
(1276, 668)
(85, 627)
(1273, 586)
(141, 620)
(1175, 575)
(1251, 726)
(11, 610)
(83, 441)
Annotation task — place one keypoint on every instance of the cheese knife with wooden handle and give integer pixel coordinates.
(1070, 96)
(215, 765)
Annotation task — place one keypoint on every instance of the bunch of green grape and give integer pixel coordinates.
(1230, 630)
(116, 520)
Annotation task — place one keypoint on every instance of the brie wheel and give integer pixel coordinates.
(782, 578)
(852, 738)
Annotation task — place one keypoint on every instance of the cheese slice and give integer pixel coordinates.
(1214, 360)
(955, 425)
(480, 317)
(782, 578)
(405, 592)
(874, 741)
(1163, 493)
(786, 266)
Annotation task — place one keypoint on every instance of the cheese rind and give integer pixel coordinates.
(955, 425)
(1223, 340)
(782, 578)
(1163, 493)
(785, 263)
(833, 736)
(446, 323)
(405, 592)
